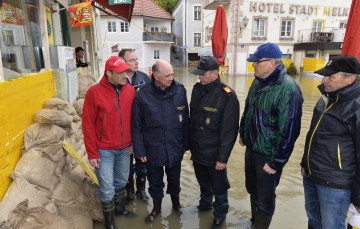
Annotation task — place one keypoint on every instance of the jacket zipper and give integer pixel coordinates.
(313, 133)
(121, 129)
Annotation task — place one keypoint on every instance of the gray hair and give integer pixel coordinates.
(155, 67)
(278, 61)
(346, 74)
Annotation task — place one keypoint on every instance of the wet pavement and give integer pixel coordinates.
(289, 213)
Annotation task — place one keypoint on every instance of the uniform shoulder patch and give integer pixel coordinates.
(227, 89)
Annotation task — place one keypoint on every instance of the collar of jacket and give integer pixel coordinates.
(345, 93)
(169, 91)
(208, 87)
(273, 79)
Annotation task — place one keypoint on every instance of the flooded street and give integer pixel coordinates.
(289, 213)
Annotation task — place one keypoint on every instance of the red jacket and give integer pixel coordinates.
(106, 117)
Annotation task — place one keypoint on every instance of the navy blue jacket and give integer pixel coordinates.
(139, 79)
(159, 125)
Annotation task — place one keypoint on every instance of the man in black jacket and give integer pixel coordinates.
(214, 124)
(137, 79)
(331, 161)
(160, 119)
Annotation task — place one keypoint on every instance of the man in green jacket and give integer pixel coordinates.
(269, 128)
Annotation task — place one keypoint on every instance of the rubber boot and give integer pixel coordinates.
(120, 203)
(155, 211)
(253, 210)
(175, 200)
(130, 191)
(140, 187)
(109, 214)
(262, 221)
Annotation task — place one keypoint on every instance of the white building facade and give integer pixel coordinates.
(309, 32)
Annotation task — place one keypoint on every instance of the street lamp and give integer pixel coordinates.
(244, 23)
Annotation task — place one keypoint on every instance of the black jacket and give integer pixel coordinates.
(332, 147)
(160, 121)
(214, 122)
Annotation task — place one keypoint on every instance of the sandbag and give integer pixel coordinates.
(78, 105)
(67, 192)
(24, 217)
(60, 105)
(91, 193)
(45, 138)
(85, 82)
(37, 168)
(48, 116)
(77, 216)
(19, 191)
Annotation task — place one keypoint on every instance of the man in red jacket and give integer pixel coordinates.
(106, 127)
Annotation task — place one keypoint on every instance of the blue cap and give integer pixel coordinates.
(268, 50)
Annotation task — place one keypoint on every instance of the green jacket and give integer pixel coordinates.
(271, 120)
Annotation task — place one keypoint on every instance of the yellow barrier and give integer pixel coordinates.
(20, 99)
(78, 159)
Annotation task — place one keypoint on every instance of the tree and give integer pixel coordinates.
(167, 5)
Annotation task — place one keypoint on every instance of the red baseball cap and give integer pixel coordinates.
(116, 64)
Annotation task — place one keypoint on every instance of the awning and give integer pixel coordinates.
(122, 10)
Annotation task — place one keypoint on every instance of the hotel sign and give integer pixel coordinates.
(117, 2)
(296, 9)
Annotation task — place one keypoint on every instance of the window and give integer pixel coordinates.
(154, 29)
(317, 26)
(310, 53)
(197, 12)
(342, 25)
(286, 28)
(259, 28)
(8, 37)
(111, 26)
(156, 54)
(124, 27)
(197, 39)
(208, 32)
(20, 37)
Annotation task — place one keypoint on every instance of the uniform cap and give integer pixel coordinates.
(337, 64)
(205, 64)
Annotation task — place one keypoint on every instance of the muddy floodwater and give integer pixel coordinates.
(289, 213)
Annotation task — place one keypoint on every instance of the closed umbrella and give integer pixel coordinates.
(219, 35)
(351, 45)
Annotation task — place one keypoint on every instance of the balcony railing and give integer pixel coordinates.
(326, 35)
(168, 37)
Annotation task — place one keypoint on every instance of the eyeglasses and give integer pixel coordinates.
(259, 61)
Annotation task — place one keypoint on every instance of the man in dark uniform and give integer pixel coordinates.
(214, 124)
(137, 79)
(160, 118)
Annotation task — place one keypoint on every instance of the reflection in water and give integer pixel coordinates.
(289, 213)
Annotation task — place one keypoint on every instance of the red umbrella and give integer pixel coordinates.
(219, 35)
(351, 45)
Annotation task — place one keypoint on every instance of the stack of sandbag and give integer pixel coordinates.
(85, 81)
(47, 180)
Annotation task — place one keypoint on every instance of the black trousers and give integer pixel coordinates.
(213, 183)
(155, 176)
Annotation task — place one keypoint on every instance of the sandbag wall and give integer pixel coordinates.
(49, 189)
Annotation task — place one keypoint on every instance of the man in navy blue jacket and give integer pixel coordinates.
(160, 121)
(137, 79)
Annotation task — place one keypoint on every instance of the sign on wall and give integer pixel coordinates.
(81, 14)
(116, 2)
(11, 14)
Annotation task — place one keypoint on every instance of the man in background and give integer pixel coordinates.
(137, 79)
(79, 52)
